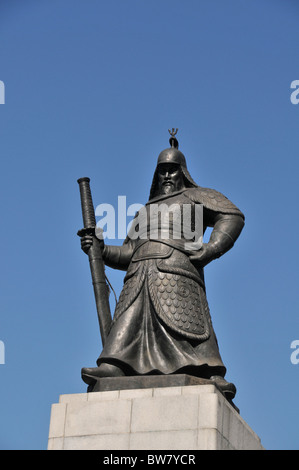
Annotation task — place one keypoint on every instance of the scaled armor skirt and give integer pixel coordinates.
(162, 323)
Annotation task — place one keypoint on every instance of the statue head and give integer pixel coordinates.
(171, 172)
(169, 178)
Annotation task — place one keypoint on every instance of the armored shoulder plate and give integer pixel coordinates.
(213, 200)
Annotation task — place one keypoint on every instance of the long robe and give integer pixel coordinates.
(162, 322)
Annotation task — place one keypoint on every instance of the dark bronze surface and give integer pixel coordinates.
(162, 324)
(96, 263)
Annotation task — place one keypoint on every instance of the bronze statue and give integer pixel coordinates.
(162, 323)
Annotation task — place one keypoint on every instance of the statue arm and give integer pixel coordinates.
(226, 230)
(119, 257)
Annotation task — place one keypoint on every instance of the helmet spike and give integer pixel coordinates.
(173, 140)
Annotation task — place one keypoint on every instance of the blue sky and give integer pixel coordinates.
(91, 89)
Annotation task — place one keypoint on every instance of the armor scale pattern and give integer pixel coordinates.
(133, 284)
(180, 303)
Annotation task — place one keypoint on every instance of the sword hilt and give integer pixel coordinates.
(89, 220)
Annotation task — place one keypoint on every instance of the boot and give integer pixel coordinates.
(228, 389)
(91, 374)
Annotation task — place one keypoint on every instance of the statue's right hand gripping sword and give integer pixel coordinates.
(97, 267)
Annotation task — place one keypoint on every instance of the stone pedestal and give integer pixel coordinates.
(188, 417)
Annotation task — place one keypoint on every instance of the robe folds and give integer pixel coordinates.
(162, 323)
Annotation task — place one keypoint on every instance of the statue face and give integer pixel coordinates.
(170, 178)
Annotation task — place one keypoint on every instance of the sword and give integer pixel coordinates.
(97, 267)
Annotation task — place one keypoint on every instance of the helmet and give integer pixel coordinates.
(172, 155)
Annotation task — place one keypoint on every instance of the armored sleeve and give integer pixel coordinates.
(119, 257)
(226, 230)
(221, 214)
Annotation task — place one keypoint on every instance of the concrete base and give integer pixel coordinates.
(149, 381)
(193, 417)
